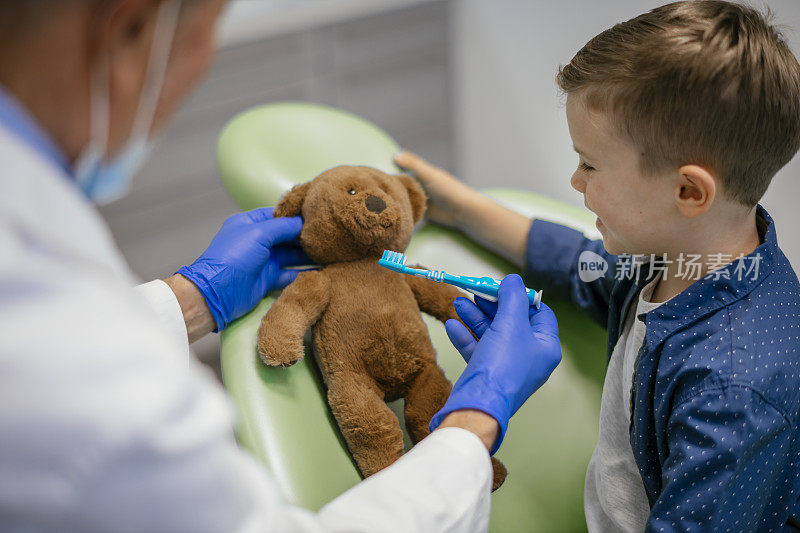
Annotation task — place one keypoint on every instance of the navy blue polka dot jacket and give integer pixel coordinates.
(716, 389)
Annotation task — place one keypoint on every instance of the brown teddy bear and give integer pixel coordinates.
(369, 339)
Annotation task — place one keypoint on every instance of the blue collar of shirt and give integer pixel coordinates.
(16, 119)
(718, 289)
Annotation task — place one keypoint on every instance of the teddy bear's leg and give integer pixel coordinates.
(427, 394)
(369, 427)
(499, 474)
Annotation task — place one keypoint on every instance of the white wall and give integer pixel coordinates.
(510, 126)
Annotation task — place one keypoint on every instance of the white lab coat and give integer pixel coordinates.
(106, 423)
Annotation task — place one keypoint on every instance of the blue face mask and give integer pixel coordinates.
(102, 180)
(105, 181)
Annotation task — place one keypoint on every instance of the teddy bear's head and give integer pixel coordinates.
(352, 212)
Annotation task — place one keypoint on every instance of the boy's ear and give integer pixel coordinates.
(291, 203)
(416, 194)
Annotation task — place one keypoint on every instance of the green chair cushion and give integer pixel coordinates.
(283, 416)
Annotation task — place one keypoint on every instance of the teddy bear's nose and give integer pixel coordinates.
(375, 204)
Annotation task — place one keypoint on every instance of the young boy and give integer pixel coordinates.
(681, 117)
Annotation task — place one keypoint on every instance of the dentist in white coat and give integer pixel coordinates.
(106, 422)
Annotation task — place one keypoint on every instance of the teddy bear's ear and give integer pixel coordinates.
(291, 203)
(416, 194)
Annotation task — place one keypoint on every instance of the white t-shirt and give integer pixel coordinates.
(614, 496)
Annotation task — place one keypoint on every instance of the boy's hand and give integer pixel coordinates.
(455, 204)
(447, 195)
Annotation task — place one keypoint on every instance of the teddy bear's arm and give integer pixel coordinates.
(435, 299)
(280, 336)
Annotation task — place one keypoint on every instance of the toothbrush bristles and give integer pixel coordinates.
(394, 257)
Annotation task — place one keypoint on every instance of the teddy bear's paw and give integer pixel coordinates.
(499, 474)
(275, 353)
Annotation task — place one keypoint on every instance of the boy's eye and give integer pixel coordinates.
(585, 167)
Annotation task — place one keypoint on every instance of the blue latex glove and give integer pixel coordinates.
(243, 262)
(517, 351)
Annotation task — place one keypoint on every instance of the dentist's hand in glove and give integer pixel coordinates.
(517, 350)
(244, 261)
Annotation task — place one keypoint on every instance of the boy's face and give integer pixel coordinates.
(634, 212)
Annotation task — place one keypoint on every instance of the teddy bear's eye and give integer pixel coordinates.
(352, 191)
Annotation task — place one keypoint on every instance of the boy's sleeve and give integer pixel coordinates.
(552, 264)
(728, 452)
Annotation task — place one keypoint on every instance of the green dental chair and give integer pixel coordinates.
(283, 416)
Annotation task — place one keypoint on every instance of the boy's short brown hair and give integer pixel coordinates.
(707, 82)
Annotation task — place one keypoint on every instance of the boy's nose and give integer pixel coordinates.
(577, 183)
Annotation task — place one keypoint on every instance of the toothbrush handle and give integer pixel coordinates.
(534, 297)
(487, 286)
(470, 284)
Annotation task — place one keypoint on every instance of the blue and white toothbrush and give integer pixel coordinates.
(484, 287)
